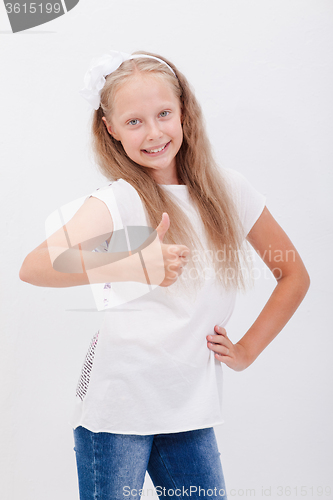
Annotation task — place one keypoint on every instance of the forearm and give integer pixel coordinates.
(79, 268)
(285, 299)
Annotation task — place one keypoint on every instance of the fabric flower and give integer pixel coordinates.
(94, 79)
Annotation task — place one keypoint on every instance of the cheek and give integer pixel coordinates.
(126, 138)
(176, 130)
(131, 144)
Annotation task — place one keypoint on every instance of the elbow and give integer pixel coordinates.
(24, 273)
(306, 281)
(298, 281)
(303, 278)
(301, 283)
(21, 274)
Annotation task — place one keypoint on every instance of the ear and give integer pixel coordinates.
(110, 129)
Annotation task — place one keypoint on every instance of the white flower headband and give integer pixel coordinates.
(94, 79)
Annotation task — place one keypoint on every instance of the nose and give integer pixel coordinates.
(153, 131)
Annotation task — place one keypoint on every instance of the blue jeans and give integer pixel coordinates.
(182, 465)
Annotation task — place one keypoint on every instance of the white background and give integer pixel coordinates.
(262, 70)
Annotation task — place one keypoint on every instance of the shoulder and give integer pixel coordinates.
(234, 179)
(118, 187)
(108, 187)
(238, 185)
(249, 202)
(123, 202)
(114, 190)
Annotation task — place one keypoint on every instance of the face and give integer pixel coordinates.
(146, 119)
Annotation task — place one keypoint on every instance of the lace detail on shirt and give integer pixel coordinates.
(82, 386)
(104, 247)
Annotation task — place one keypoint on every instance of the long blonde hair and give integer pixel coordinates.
(196, 169)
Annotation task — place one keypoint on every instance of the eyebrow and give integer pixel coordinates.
(131, 115)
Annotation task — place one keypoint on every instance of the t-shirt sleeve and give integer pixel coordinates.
(249, 202)
(106, 195)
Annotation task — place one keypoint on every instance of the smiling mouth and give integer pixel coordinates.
(157, 150)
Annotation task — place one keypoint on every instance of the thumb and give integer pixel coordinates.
(163, 226)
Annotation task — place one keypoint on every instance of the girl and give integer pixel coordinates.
(151, 385)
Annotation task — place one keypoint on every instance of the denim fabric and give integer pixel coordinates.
(182, 465)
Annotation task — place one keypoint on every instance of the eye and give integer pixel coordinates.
(135, 121)
(164, 113)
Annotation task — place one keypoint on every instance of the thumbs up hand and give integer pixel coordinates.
(163, 226)
(164, 263)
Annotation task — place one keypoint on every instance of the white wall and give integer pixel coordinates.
(262, 70)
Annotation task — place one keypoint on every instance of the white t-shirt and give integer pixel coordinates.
(148, 370)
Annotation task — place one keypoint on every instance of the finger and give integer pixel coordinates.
(216, 339)
(163, 226)
(179, 251)
(184, 251)
(227, 360)
(175, 269)
(218, 349)
(220, 330)
(219, 340)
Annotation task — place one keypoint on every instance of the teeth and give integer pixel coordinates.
(155, 150)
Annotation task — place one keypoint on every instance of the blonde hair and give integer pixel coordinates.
(196, 169)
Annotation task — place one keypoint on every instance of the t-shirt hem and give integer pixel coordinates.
(151, 432)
